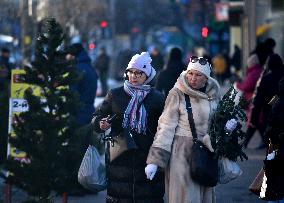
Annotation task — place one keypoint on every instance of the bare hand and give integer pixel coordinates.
(104, 125)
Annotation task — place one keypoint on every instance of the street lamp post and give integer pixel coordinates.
(24, 25)
(249, 28)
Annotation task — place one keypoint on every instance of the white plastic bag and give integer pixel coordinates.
(91, 174)
(228, 170)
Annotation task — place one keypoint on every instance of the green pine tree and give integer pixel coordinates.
(46, 132)
(228, 144)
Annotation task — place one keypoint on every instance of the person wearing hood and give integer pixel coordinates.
(171, 148)
(132, 112)
(167, 78)
(87, 85)
(86, 89)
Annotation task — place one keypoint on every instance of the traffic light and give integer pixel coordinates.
(92, 45)
(135, 30)
(204, 32)
(103, 24)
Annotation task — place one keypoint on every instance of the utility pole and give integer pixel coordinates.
(112, 15)
(249, 28)
(112, 10)
(26, 12)
(24, 25)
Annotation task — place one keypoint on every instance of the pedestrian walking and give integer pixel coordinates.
(248, 84)
(268, 87)
(102, 67)
(5, 69)
(171, 148)
(274, 167)
(264, 50)
(132, 112)
(86, 89)
(87, 85)
(219, 67)
(236, 58)
(157, 58)
(167, 78)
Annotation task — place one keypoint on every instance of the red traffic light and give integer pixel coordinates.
(92, 45)
(135, 30)
(103, 24)
(204, 32)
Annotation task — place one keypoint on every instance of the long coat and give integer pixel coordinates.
(268, 87)
(127, 182)
(173, 141)
(248, 85)
(275, 131)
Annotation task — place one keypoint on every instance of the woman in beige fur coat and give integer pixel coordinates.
(171, 148)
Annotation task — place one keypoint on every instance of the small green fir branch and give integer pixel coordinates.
(228, 144)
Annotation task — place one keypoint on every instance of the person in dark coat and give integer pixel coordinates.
(248, 84)
(236, 58)
(137, 108)
(268, 87)
(264, 50)
(167, 78)
(102, 66)
(5, 69)
(275, 124)
(87, 86)
(275, 133)
(157, 59)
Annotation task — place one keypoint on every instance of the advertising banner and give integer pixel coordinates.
(18, 104)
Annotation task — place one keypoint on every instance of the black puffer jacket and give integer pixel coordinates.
(127, 182)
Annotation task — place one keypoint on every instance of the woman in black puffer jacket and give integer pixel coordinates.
(137, 107)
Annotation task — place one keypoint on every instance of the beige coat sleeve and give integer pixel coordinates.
(160, 151)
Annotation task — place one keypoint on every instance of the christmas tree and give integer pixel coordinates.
(228, 144)
(46, 132)
(4, 115)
